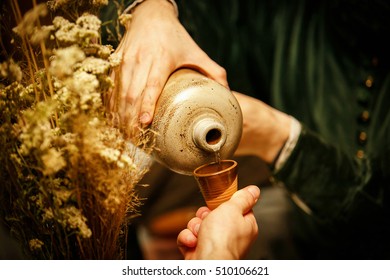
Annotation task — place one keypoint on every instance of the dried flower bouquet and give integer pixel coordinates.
(67, 174)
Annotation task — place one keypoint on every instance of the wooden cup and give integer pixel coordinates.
(217, 181)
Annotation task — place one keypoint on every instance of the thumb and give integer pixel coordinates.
(245, 198)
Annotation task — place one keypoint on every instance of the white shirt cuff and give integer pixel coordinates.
(295, 131)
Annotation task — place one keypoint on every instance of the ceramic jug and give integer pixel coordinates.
(196, 120)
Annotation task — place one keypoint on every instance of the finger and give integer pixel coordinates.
(134, 96)
(194, 225)
(186, 240)
(123, 101)
(133, 88)
(125, 72)
(251, 219)
(209, 68)
(216, 72)
(157, 78)
(245, 198)
(202, 212)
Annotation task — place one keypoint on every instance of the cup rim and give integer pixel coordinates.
(234, 164)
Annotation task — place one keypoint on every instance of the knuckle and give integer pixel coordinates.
(221, 73)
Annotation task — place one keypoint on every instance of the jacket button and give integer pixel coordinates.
(364, 117)
(369, 81)
(360, 154)
(362, 137)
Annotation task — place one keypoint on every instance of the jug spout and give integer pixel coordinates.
(195, 118)
(209, 134)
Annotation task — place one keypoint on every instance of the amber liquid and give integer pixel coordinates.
(218, 160)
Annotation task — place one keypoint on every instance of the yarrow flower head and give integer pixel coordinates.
(11, 71)
(72, 218)
(35, 244)
(86, 28)
(64, 60)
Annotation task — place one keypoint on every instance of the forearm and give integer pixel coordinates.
(265, 129)
(132, 5)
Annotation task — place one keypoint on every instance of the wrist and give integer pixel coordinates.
(281, 135)
(162, 4)
(277, 136)
(211, 252)
(145, 12)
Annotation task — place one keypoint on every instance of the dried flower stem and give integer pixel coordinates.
(27, 50)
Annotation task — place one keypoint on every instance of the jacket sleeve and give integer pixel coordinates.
(335, 186)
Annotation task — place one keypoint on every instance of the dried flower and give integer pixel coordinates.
(65, 170)
(62, 196)
(60, 4)
(56, 4)
(94, 65)
(90, 24)
(52, 161)
(41, 34)
(11, 71)
(36, 132)
(47, 215)
(66, 32)
(27, 25)
(104, 51)
(35, 244)
(64, 60)
(115, 60)
(125, 18)
(85, 85)
(82, 32)
(98, 3)
(72, 218)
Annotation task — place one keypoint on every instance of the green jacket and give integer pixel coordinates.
(324, 64)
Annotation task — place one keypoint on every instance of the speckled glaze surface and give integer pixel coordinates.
(195, 117)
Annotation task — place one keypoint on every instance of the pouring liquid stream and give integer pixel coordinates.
(218, 160)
